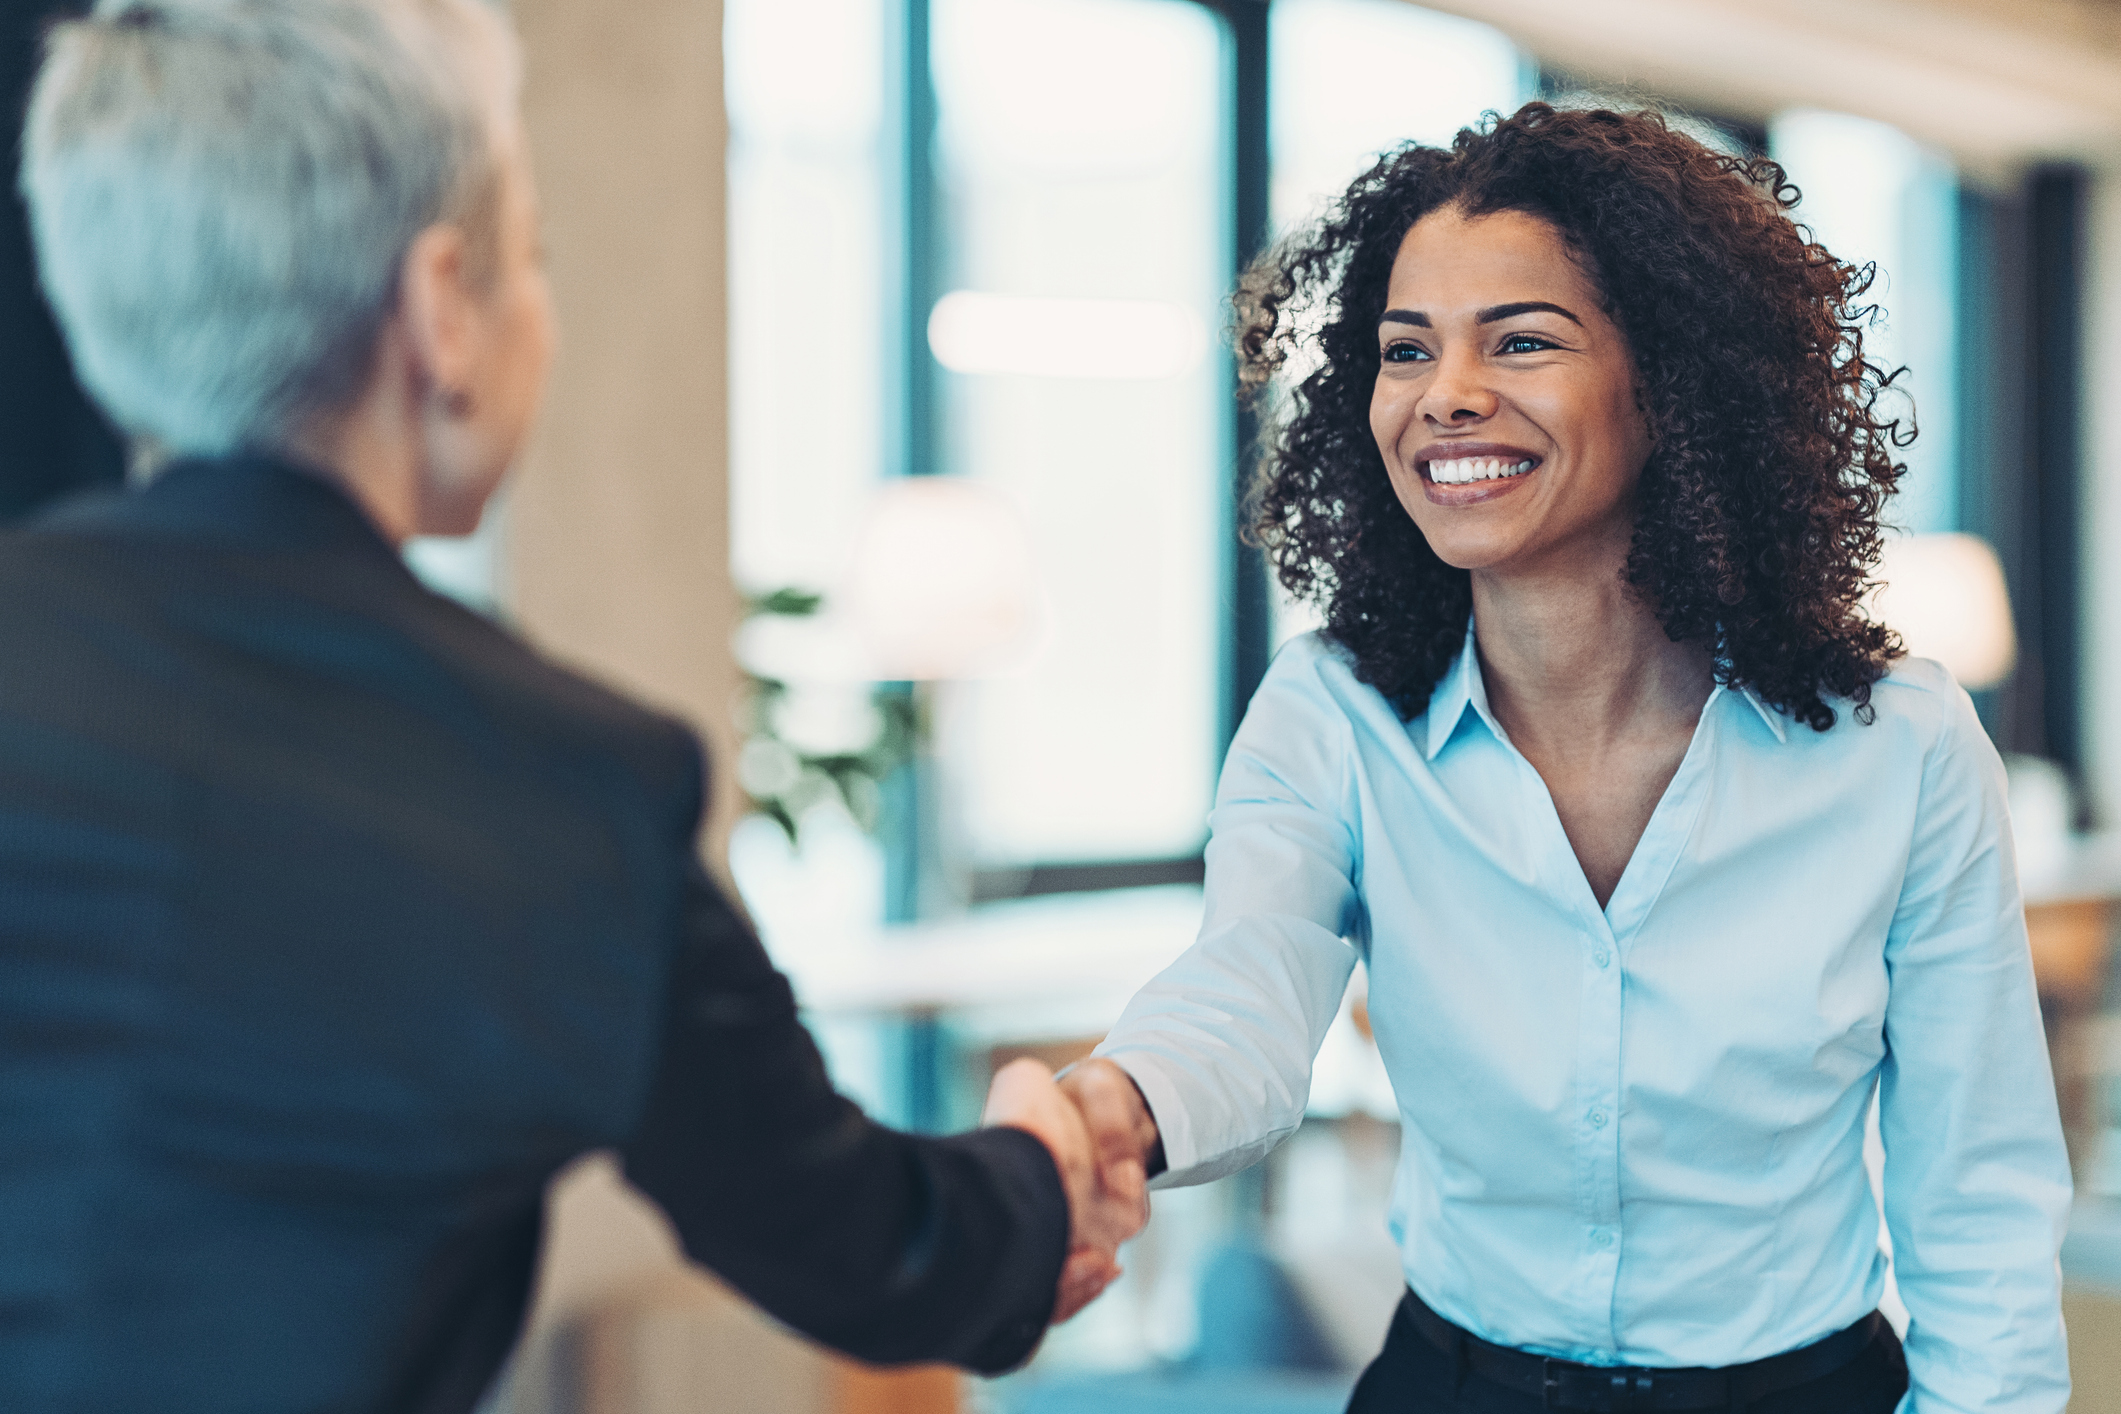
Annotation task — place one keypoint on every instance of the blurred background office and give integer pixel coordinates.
(893, 442)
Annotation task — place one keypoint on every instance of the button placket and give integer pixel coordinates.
(1594, 1130)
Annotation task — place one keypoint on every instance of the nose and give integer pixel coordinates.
(1457, 394)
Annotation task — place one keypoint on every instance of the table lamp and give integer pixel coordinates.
(941, 584)
(1945, 595)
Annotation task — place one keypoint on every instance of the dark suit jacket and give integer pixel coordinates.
(333, 920)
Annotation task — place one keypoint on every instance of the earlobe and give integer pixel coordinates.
(438, 313)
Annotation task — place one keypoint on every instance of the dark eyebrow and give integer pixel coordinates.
(1492, 314)
(1497, 312)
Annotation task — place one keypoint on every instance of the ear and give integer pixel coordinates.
(438, 310)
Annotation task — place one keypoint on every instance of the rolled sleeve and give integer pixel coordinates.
(1222, 1041)
(1977, 1185)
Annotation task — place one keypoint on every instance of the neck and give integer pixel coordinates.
(1572, 655)
(371, 450)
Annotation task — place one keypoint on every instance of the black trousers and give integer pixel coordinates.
(1412, 1376)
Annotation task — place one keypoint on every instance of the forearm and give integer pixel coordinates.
(1220, 1044)
(888, 1246)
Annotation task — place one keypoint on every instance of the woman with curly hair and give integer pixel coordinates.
(1664, 862)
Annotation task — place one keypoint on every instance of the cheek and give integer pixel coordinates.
(534, 336)
(1390, 405)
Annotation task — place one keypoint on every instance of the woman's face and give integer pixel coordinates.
(512, 348)
(1505, 398)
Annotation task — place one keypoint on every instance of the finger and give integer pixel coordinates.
(1083, 1279)
(1109, 1105)
(1016, 1087)
(1110, 1220)
(1121, 1126)
(1024, 1096)
(1127, 1183)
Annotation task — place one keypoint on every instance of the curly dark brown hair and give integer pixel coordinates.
(1757, 515)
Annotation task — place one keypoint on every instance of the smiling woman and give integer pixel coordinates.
(1663, 861)
(1739, 343)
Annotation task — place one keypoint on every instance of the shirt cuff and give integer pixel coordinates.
(1190, 1157)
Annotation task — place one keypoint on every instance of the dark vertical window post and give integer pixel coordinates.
(1991, 334)
(2055, 200)
(1248, 606)
(1248, 626)
(914, 270)
(2020, 396)
(57, 439)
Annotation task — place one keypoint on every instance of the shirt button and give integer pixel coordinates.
(1602, 1238)
(1601, 957)
(1597, 1118)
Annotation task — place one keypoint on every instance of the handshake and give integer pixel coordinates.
(1103, 1140)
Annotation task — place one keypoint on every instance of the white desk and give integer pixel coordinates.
(1059, 968)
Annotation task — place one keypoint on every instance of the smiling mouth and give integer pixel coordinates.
(1460, 471)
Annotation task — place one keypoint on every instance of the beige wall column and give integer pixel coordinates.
(618, 525)
(616, 547)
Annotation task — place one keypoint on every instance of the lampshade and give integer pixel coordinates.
(941, 584)
(1945, 595)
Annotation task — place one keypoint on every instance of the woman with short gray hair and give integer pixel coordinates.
(231, 202)
(333, 920)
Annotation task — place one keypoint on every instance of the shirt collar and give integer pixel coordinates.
(1775, 721)
(1462, 688)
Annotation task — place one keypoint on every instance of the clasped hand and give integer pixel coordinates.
(1101, 1136)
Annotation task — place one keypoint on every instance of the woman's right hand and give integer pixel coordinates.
(1128, 1148)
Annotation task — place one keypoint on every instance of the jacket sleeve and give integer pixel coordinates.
(887, 1246)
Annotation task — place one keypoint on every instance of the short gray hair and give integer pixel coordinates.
(223, 191)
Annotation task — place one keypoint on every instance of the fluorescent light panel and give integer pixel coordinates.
(971, 332)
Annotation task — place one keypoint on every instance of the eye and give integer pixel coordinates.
(1525, 343)
(1405, 353)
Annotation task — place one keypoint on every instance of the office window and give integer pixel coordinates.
(806, 287)
(1080, 160)
(1081, 193)
(1356, 78)
(1872, 193)
(807, 311)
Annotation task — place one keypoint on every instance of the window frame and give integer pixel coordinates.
(916, 273)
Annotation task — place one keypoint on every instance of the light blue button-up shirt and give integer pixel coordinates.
(1634, 1135)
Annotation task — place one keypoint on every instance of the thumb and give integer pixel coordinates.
(1024, 1096)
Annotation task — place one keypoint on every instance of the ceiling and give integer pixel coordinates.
(1999, 84)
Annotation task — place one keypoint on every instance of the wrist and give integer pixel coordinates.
(1102, 1086)
(1153, 1162)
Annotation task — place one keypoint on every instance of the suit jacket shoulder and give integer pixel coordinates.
(332, 920)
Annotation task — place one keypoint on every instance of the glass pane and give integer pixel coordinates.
(1872, 193)
(1081, 156)
(804, 83)
(806, 302)
(1355, 78)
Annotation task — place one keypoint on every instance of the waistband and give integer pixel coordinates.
(1564, 1384)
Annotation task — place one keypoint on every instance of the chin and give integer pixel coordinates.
(457, 509)
(1469, 552)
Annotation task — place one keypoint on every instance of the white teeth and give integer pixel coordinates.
(1456, 471)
